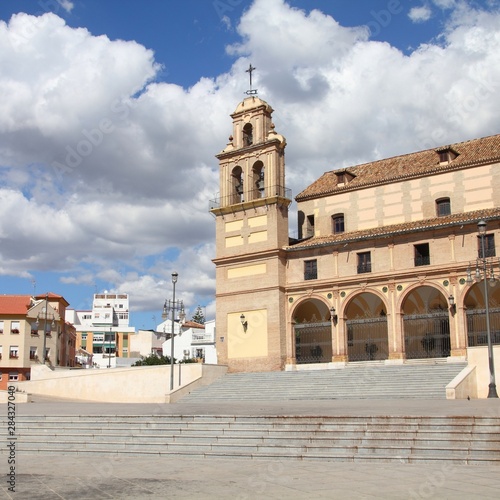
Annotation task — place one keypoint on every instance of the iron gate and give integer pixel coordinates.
(427, 335)
(313, 343)
(476, 327)
(367, 339)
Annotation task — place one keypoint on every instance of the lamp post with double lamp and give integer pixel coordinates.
(37, 327)
(173, 306)
(109, 346)
(481, 264)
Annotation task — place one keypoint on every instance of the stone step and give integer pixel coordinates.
(353, 382)
(341, 453)
(349, 438)
(462, 428)
(284, 441)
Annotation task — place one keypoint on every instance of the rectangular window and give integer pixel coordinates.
(13, 377)
(310, 226)
(15, 326)
(1, 349)
(14, 352)
(489, 246)
(422, 255)
(1, 326)
(364, 262)
(443, 207)
(310, 269)
(33, 355)
(338, 224)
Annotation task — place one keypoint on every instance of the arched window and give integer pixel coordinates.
(248, 135)
(338, 223)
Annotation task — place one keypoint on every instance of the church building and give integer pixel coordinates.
(389, 266)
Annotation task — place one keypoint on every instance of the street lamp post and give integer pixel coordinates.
(109, 347)
(173, 306)
(481, 226)
(37, 326)
(45, 329)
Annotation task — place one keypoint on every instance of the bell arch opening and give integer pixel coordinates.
(247, 134)
(237, 185)
(258, 175)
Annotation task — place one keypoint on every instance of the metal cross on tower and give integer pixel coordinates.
(250, 70)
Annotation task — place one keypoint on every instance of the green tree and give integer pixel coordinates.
(153, 359)
(198, 316)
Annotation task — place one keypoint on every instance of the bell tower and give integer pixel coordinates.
(251, 230)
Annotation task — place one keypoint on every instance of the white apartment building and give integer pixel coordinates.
(104, 331)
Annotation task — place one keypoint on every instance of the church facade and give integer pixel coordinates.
(389, 266)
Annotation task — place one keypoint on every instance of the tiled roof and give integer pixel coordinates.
(403, 228)
(477, 151)
(192, 324)
(51, 296)
(14, 304)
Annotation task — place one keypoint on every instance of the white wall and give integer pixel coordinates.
(140, 384)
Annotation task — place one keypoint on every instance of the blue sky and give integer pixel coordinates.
(112, 112)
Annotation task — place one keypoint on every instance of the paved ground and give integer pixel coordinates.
(365, 407)
(51, 478)
(152, 477)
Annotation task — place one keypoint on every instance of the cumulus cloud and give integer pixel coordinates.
(106, 172)
(420, 14)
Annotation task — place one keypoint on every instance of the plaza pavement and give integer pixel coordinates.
(117, 476)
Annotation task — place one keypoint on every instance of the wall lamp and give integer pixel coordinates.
(451, 301)
(333, 315)
(244, 322)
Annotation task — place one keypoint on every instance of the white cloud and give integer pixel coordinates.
(447, 4)
(106, 174)
(66, 5)
(420, 14)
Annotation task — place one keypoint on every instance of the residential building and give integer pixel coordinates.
(27, 324)
(192, 340)
(382, 267)
(104, 332)
(143, 343)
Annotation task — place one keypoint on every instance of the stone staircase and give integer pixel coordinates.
(429, 439)
(357, 381)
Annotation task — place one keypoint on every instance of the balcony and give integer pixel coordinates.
(202, 338)
(257, 194)
(422, 260)
(311, 275)
(365, 268)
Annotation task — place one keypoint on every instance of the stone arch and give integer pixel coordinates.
(475, 307)
(365, 315)
(426, 321)
(312, 330)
